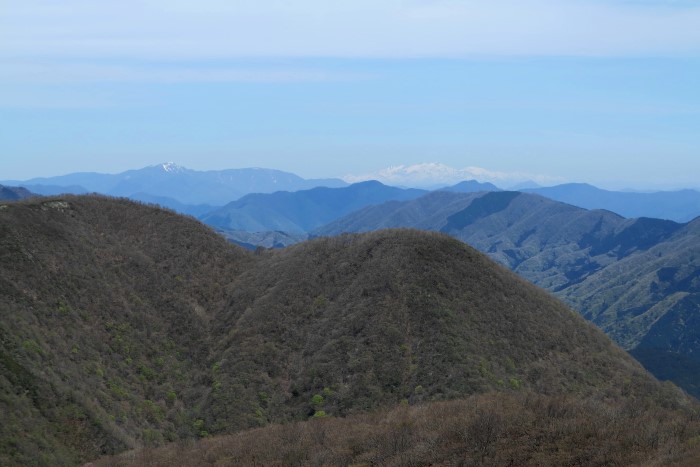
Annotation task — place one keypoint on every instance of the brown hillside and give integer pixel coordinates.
(123, 325)
(637, 279)
(361, 321)
(496, 429)
(105, 309)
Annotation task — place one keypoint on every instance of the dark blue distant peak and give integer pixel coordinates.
(471, 186)
(368, 183)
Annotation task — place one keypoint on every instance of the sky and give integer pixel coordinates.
(599, 91)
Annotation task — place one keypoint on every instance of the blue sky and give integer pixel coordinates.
(603, 91)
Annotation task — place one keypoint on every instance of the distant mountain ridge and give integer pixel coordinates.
(194, 210)
(191, 191)
(470, 186)
(187, 186)
(302, 211)
(264, 239)
(638, 279)
(11, 193)
(679, 206)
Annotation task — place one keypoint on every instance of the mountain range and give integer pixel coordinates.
(566, 256)
(680, 206)
(302, 211)
(184, 186)
(126, 326)
(638, 279)
(197, 193)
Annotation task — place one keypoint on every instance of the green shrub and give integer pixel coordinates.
(317, 399)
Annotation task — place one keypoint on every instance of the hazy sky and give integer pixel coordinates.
(604, 91)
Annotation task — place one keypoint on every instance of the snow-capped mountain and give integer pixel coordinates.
(169, 180)
(435, 174)
(171, 167)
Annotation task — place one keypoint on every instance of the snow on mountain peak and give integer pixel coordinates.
(170, 167)
(434, 173)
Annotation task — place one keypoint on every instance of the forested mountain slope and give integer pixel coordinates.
(105, 314)
(635, 278)
(123, 325)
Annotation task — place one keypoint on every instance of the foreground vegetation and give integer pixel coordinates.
(490, 429)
